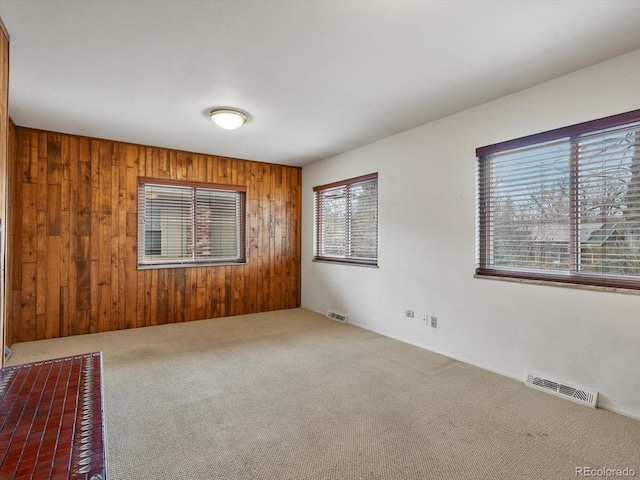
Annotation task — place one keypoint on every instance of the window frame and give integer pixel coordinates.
(484, 198)
(317, 238)
(241, 225)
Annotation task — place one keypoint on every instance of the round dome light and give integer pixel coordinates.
(228, 119)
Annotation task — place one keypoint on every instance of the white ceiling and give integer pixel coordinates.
(317, 78)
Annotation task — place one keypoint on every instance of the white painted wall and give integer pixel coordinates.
(427, 248)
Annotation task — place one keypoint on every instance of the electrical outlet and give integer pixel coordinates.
(434, 321)
(409, 313)
(425, 322)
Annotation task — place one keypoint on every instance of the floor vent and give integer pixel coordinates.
(337, 316)
(575, 394)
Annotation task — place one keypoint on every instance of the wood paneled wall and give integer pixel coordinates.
(4, 161)
(74, 239)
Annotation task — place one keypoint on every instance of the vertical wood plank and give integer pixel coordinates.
(53, 158)
(28, 303)
(170, 296)
(41, 145)
(140, 299)
(116, 293)
(83, 302)
(72, 327)
(121, 235)
(163, 297)
(83, 199)
(179, 291)
(131, 281)
(64, 272)
(153, 298)
(147, 298)
(41, 277)
(29, 223)
(52, 304)
(53, 209)
(21, 149)
(104, 308)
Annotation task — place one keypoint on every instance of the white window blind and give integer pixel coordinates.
(347, 221)
(564, 205)
(188, 224)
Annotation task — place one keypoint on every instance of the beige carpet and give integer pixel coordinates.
(293, 395)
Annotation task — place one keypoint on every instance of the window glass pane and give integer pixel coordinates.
(333, 211)
(609, 193)
(530, 208)
(217, 224)
(364, 220)
(153, 243)
(168, 223)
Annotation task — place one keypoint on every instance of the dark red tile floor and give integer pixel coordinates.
(51, 424)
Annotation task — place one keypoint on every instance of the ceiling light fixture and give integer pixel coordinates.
(228, 119)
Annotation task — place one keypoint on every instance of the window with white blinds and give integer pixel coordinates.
(184, 223)
(563, 205)
(347, 221)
